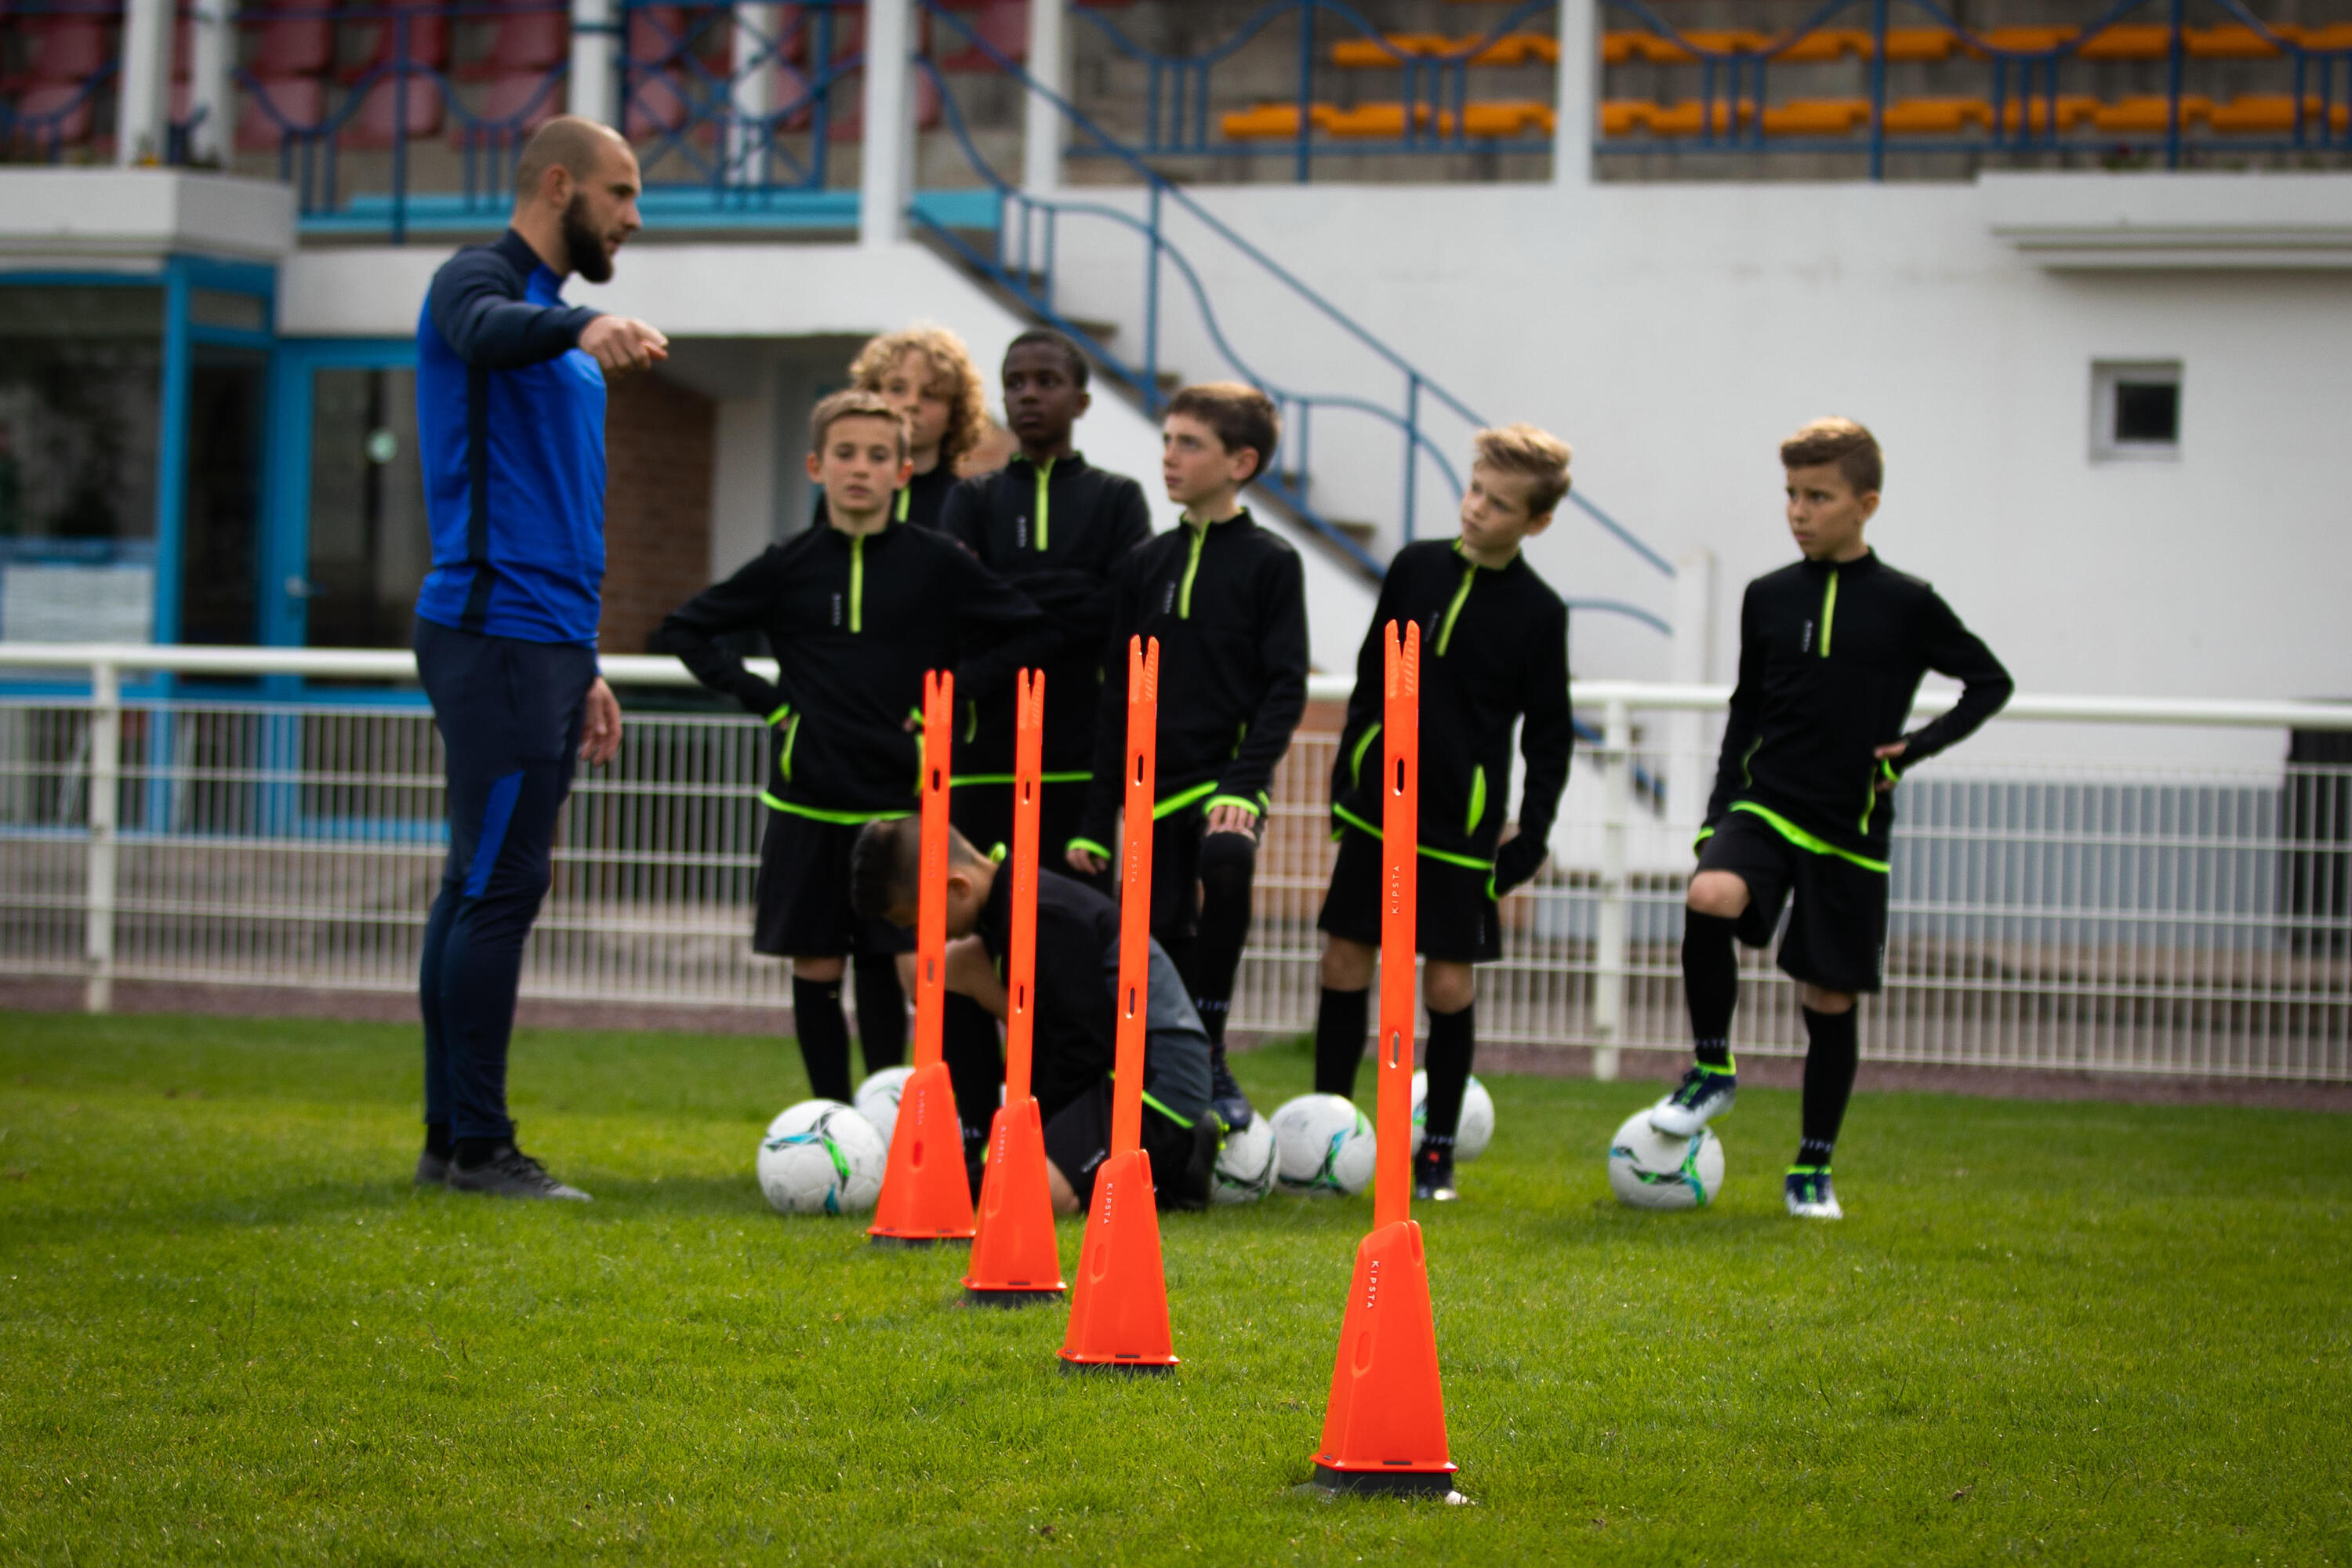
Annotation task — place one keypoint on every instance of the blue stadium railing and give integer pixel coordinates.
(1022, 262)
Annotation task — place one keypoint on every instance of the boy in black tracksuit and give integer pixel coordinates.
(1074, 1038)
(1228, 602)
(1494, 648)
(1831, 650)
(856, 612)
(1055, 528)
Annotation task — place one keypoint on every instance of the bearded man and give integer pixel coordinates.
(510, 420)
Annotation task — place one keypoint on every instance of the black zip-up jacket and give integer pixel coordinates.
(1494, 646)
(854, 621)
(1055, 531)
(917, 503)
(1073, 1042)
(1228, 603)
(1830, 656)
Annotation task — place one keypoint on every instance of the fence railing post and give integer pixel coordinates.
(1577, 98)
(588, 86)
(105, 787)
(1041, 125)
(1609, 941)
(1688, 778)
(887, 172)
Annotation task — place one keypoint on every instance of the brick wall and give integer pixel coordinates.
(658, 439)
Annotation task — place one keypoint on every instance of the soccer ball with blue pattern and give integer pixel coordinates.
(1323, 1146)
(1650, 1169)
(822, 1157)
(878, 1099)
(1473, 1132)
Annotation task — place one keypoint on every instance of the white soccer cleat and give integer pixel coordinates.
(1810, 1196)
(1703, 1094)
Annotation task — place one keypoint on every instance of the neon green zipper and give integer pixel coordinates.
(1045, 472)
(1192, 567)
(1446, 633)
(1829, 610)
(1477, 796)
(856, 582)
(901, 512)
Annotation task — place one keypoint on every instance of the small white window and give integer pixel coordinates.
(2134, 410)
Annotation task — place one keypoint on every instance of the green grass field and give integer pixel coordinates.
(229, 1331)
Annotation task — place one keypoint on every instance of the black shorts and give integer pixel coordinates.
(1837, 932)
(803, 894)
(983, 814)
(1455, 921)
(1176, 870)
(1077, 1140)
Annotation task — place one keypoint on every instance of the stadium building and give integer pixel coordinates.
(2083, 266)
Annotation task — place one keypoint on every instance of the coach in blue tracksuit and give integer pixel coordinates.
(510, 420)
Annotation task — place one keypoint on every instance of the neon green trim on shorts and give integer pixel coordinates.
(819, 813)
(1804, 840)
(1445, 856)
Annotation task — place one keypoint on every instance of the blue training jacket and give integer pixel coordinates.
(510, 424)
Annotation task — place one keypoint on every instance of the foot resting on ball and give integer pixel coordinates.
(1226, 1095)
(1703, 1094)
(1810, 1196)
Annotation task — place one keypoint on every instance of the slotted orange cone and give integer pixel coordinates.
(1118, 1309)
(1385, 1427)
(1015, 1260)
(926, 1194)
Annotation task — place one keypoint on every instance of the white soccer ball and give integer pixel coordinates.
(876, 1100)
(1245, 1170)
(1477, 1129)
(822, 1157)
(1323, 1144)
(1649, 1170)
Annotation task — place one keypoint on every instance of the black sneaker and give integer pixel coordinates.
(1432, 1172)
(1810, 1195)
(1226, 1095)
(1703, 1094)
(432, 1170)
(512, 1174)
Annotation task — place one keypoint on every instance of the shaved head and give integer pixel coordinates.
(568, 142)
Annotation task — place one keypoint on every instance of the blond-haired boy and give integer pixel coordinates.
(1494, 651)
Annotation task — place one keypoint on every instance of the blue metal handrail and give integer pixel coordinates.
(1435, 88)
(2023, 113)
(1023, 264)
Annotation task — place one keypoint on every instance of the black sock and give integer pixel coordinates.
(881, 1011)
(1339, 1021)
(824, 1037)
(1829, 1062)
(1213, 1011)
(1452, 1037)
(1228, 861)
(1710, 984)
(967, 1044)
(436, 1139)
(473, 1154)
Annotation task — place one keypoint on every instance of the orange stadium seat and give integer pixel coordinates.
(2127, 44)
(1691, 117)
(2150, 112)
(2273, 114)
(1825, 44)
(2338, 36)
(1266, 122)
(1517, 49)
(1506, 119)
(1919, 44)
(1726, 41)
(2237, 43)
(1935, 116)
(1816, 116)
(2072, 110)
(2029, 41)
(1368, 53)
(1623, 116)
(1621, 49)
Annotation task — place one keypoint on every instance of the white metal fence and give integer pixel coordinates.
(2118, 908)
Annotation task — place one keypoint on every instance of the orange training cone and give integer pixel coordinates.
(925, 1194)
(1015, 1260)
(1385, 1428)
(1119, 1310)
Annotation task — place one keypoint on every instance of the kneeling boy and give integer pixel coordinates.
(1494, 649)
(1076, 1039)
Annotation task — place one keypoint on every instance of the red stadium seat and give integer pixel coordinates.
(66, 48)
(527, 94)
(44, 118)
(377, 124)
(521, 42)
(286, 47)
(426, 40)
(656, 103)
(300, 103)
